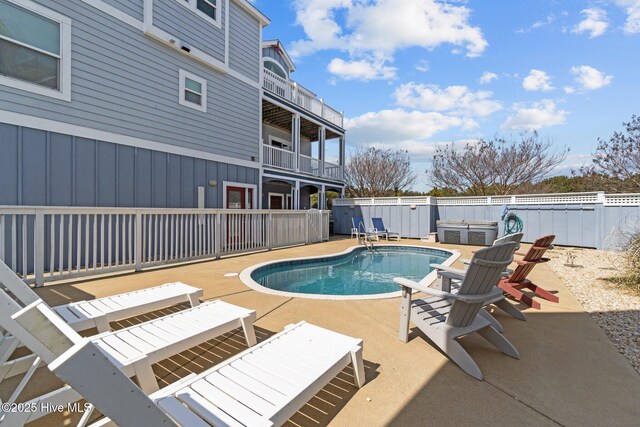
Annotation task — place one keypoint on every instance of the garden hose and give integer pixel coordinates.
(512, 224)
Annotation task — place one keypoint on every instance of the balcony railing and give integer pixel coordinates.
(285, 159)
(292, 91)
(278, 157)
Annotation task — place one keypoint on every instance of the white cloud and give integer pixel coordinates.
(487, 77)
(569, 89)
(536, 116)
(394, 126)
(590, 78)
(550, 19)
(378, 29)
(423, 66)
(361, 70)
(456, 100)
(632, 7)
(537, 80)
(595, 22)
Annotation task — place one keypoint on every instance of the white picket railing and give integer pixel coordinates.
(309, 165)
(332, 171)
(292, 91)
(278, 157)
(524, 199)
(45, 244)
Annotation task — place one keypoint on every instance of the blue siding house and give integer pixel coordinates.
(138, 103)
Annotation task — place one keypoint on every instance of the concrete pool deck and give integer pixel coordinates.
(569, 372)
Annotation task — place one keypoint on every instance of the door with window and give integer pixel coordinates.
(239, 228)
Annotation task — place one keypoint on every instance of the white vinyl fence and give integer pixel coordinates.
(49, 243)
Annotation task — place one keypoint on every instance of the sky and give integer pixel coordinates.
(418, 74)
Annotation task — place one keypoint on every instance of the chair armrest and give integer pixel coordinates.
(450, 275)
(441, 268)
(471, 299)
(465, 261)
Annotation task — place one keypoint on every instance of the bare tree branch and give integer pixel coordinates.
(374, 172)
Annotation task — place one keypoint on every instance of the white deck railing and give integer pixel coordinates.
(309, 165)
(48, 243)
(332, 171)
(525, 199)
(278, 157)
(292, 91)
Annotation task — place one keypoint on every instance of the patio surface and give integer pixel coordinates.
(569, 372)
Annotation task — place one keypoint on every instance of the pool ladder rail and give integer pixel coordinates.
(367, 242)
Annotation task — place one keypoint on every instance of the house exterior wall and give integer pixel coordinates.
(126, 83)
(40, 168)
(244, 43)
(267, 131)
(133, 8)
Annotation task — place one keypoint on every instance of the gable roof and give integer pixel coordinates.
(280, 48)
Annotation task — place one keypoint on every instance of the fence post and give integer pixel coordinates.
(268, 230)
(138, 249)
(217, 235)
(38, 262)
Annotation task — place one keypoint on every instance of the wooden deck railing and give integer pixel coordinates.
(49, 243)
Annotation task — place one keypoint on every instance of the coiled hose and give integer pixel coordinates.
(512, 224)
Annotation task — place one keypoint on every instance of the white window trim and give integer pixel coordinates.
(269, 59)
(280, 140)
(281, 195)
(203, 96)
(253, 187)
(64, 93)
(192, 5)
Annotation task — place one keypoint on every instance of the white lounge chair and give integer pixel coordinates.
(444, 317)
(381, 230)
(264, 385)
(361, 231)
(500, 300)
(133, 350)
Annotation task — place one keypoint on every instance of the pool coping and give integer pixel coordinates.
(245, 275)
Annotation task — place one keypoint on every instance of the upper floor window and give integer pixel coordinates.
(35, 46)
(193, 91)
(274, 67)
(208, 9)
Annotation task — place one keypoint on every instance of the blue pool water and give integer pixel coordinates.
(360, 272)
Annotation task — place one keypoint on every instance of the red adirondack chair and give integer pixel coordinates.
(518, 279)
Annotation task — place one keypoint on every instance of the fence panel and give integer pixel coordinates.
(47, 244)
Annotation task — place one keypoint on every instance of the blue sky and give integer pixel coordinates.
(409, 73)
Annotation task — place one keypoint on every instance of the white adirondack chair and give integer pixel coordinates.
(133, 350)
(444, 317)
(264, 385)
(500, 300)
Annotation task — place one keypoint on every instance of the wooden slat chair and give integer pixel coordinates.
(518, 279)
(381, 230)
(132, 350)
(84, 315)
(262, 386)
(444, 317)
(500, 300)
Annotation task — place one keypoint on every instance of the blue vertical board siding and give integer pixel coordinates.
(9, 148)
(60, 170)
(49, 169)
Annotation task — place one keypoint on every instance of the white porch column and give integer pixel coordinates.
(322, 200)
(342, 156)
(296, 196)
(295, 139)
(322, 132)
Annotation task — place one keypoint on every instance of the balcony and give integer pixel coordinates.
(292, 91)
(284, 159)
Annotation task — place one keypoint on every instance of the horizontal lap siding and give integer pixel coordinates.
(244, 43)
(51, 169)
(190, 27)
(134, 8)
(125, 83)
(271, 52)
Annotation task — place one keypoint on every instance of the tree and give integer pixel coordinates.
(495, 166)
(617, 161)
(376, 172)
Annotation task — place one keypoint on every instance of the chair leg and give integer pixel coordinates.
(520, 296)
(249, 332)
(499, 340)
(358, 366)
(405, 314)
(509, 308)
(484, 313)
(460, 357)
(193, 300)
(542, 293)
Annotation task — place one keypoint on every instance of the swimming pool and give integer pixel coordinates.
(356, 273)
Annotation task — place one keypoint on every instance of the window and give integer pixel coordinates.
(35, 45)
(275, 68)
(208, 9)
(279, 142)
(193, 91)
